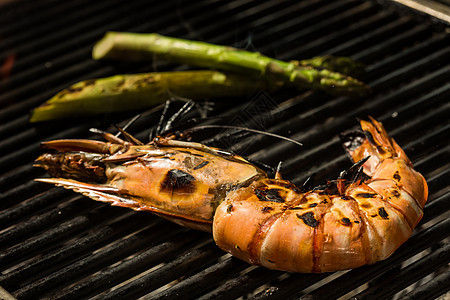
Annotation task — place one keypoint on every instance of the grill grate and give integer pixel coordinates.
(56, 244)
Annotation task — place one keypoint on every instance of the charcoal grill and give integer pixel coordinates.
(56, 244)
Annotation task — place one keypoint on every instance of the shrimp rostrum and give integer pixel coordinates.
(350, 222)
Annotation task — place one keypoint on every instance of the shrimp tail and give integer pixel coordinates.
(387, 161)
(373, 142)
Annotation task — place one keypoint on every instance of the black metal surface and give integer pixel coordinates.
(58, 245)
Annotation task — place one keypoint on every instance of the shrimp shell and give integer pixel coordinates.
(263, 221)
(272, 224)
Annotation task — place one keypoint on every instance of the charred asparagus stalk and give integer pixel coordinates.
(135, 46)
(131, 92)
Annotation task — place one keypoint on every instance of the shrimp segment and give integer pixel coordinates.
(263, 221)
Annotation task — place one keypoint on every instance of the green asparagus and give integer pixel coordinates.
(339, 64)
(132, 92)
(136, 46)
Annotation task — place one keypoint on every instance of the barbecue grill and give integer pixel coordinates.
(56, 244)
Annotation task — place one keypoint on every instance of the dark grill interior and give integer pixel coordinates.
(59, 245)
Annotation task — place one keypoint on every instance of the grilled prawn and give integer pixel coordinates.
(263, 221)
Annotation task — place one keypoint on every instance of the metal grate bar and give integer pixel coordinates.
(185, 264)
(288, 25)
(41, 221)
(28, 152)
(24, 250)
(415, 52)
(22, 32)
(203, 281)
(114, 252)
(433, 161)
(19, 11)
(138, 263)
(438, 204)
(340, 20)
(407, 37)
(51, 234)
(38, 202)
(36, 85)
(233, 288)
(368, 40)
(14, 279)
(354, 29)
(432, 289)
(13, 11)
(15, 195)
(404, 277)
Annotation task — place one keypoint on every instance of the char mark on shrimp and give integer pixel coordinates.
(309, 219)
(177, 181)
(366, 195)
(346, 222)
(271, 195)
(382, 212)
(201, 165)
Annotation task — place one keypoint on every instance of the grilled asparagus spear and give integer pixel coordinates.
(136, 46)
(131, 92)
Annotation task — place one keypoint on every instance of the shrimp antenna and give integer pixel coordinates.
(128, 136)
(278, 172)
(246, 129)
(128, 124)
(182, 111)
(164, 126)
(107, 136)
(309, 183)
(157, 131)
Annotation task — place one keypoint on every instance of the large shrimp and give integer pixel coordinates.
(263, 221)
